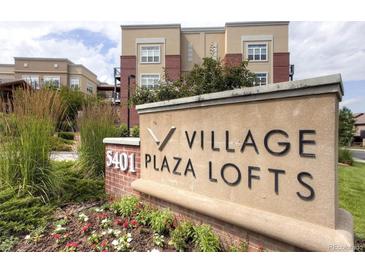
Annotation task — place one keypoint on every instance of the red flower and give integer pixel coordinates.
(134, 223)
(104, 243)
(56, 236)
(105, 250)
(102, 215)
(72, 244)
(118, 222)
(125, 224)
(85, 228)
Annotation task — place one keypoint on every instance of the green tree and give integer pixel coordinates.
(211, 76)
(346, 126)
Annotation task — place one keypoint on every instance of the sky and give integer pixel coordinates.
(316, 48)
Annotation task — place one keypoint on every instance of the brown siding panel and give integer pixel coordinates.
(127, 67)
(281, 67)
(233, 59)
(173, 66)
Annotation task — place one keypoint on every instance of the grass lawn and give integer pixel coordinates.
(352, 195)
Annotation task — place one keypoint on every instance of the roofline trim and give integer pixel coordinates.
(151, 26)
(42, 59)
(256, 23)
(203, 29)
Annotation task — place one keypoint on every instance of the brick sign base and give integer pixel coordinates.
(118, 184)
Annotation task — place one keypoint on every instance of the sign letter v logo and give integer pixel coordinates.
(162, 144)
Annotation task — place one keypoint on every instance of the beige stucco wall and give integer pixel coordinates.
(6, 72)
(201, 43)
(171, 35)
(40, 66)
(359, 128)
(291, 114)
(233, 37)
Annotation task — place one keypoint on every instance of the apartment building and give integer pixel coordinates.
(50, 71)
(150, 50)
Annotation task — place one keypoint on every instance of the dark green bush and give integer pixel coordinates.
(66, 135)
(182, 235)
(58, 144)
(135, 131)
(123, 129)
(74, 187)
(205, 239)
(20, 214)
(345, 156)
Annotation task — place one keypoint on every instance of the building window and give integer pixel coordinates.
(75, 83)
(190, 52)
(32, 80)
(150, 54)
(257, 52)
(261, 79)
(150, 80)
(52, 81)
(90, 88)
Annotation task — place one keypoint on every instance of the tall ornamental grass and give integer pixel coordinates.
(26, 143)
(95, 123)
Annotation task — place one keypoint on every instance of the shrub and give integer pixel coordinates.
(135, 131)
(66, 135)
(21, 214)
(126, 206)
(7, 243)
(345, 156)
(74, 187)
(24, 157)
(96, 123)
(161, 221)
(346, 126)
(58, 144)
(181, 235)
(205, 239)
(144, 215)
(242, 247)
(123, 129)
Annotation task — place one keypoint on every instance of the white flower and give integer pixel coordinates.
(97, 209)
(155, 250)
(115, 242)
(103, 233)
(110, 231)
(27, 237)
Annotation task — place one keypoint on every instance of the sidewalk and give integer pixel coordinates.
(64, 155)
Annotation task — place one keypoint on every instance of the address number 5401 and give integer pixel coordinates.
(123, 161)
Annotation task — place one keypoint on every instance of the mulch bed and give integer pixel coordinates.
(76, 232)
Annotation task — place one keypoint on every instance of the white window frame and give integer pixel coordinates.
(148, 74)
(51, 78)
(90, 86)
(29, 79)
(267, 77)
(190, 52)
(247, 44)
(152, 62)
(78, 80)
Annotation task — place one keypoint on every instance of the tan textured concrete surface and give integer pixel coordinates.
(290, 115)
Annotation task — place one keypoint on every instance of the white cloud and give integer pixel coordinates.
(24, 39)
(316, 48)
(320, 48)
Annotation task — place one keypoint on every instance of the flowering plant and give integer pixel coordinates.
(86, 228)
(71, 247)
(123, 243)
(83, 217)
(158, 240)
(105, 223)
(94, 238)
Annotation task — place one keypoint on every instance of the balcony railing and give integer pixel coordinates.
(117, 72)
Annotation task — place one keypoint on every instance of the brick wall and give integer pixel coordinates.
(281, 67)
(233, 59)
(127, 67)
(118, 184)
(173, 66)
